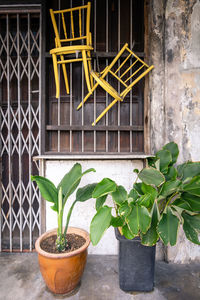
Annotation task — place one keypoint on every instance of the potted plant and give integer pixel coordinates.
(165, 198)
(62, 252)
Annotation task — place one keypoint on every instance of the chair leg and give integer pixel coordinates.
(90, 68)
(55, 67)
(104, 112)
(87, 96)
(65, 75)
(85, 64)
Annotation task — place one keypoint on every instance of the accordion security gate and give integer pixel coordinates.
(20, 107)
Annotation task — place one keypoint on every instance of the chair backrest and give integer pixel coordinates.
(73, 28)
(127, 68)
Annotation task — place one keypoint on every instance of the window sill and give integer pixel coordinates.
(92, 156)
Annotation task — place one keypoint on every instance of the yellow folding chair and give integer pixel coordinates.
(127, 68)
(74, 37)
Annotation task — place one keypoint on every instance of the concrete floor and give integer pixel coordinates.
(20, 279)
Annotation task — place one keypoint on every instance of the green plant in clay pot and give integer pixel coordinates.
(57, 268)
(163, 197)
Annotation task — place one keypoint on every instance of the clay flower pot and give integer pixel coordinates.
(62, 272)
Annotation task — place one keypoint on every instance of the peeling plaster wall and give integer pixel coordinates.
(174, 30)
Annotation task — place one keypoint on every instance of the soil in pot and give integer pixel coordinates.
(74, 242)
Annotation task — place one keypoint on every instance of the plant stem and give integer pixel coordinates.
(60, 212)
(68, 217)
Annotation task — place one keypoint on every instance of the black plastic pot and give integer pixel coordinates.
(136, 264)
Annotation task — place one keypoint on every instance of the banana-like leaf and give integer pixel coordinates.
(47, 189)
(168, 227)
(188, 170)
(71, 180)
(170, 187)
(151, 236)
(116, 222)
(193, 187)
(127, 233)
(104, 187)
(85, 193)
(192, 200)
(100, 201)
(165, 160)
(99, 224)
(151, 176)
(173, 149)
(138, 220)
(119, 195)
(171, 174)
(191, 227)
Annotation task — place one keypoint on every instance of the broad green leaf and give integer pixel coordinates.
(127, 233)
(192, 201)
(180, 203)
(189, 169)
(47, 189)
(173, 149)
(151, 236)
(170, 187)
(133, 194)
(193, 187)
(171, 174)
(148, 189)
(85, 192)
(104, 187)
(138, 220)
(151, 176)
(191, 227)
(168, 227)
(165, 160)
(124, 210)
(100, 201)
(99, 224)
(138, 188)
(116, 222)
(119, 195)
(145, 200)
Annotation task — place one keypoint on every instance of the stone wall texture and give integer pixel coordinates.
(174, 47)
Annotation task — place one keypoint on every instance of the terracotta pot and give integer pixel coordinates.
(62, 272)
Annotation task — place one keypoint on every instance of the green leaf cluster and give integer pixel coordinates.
(166, 197)
(59, 195)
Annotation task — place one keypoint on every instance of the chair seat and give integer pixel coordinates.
(106, 86)
(70, 49)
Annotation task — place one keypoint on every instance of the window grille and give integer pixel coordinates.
(68, 131)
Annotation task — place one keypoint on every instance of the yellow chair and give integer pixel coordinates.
(75, 39)
(127, 68)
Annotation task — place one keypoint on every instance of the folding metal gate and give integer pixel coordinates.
(20, 107)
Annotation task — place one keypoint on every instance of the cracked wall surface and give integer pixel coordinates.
(174, 41)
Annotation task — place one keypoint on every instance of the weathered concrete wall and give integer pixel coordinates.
(175, 88)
